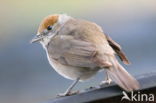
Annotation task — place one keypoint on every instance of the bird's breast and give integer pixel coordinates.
(71, 72)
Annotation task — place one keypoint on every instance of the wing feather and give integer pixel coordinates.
(72, 52)
(118, 50)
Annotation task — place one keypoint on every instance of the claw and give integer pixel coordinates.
(68, 94)
(63, 95)
(108, 81)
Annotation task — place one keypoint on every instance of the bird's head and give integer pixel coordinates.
(49, 26)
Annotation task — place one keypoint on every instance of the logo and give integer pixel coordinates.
(137, 96)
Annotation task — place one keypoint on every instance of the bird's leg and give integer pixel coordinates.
(107, 80)
(68, 91)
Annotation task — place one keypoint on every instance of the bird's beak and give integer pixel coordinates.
(37, 38)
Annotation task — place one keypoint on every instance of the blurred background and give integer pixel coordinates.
(25, 74)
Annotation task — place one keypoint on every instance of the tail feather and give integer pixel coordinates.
(119, 75)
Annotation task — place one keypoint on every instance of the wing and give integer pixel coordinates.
(118, 50)
(70, 51)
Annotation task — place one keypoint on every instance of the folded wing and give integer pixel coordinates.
(70, 51)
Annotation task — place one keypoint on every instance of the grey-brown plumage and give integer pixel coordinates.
(82, 45)
(79, 49)
(116, 47)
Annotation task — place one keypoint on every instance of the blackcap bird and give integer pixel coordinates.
(77, 49)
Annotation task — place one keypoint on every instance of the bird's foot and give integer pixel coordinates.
(106, 82)
(68, 94)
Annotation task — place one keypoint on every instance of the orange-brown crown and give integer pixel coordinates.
(48, 21)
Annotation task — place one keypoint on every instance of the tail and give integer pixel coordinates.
(120, 76)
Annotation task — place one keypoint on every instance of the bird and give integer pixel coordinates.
(78, 49)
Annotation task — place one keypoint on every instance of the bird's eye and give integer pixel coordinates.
(49, 27)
